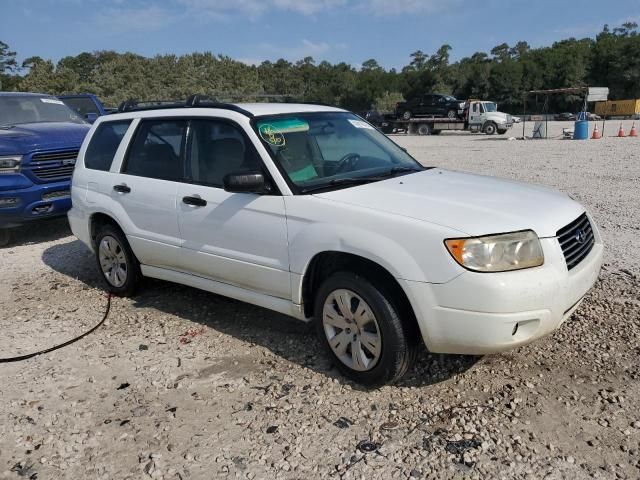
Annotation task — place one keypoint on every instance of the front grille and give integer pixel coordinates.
(53, 165)
(576, 240)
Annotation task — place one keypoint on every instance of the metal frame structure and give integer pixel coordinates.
(545, 107)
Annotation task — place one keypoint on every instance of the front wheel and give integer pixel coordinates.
(5, 237)
(406, 115)
(490, 128)
(452, 115)
(116, 261)
(361, 329)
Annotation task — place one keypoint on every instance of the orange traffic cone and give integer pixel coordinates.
(621, 131)
(596, 133)
(633, 132)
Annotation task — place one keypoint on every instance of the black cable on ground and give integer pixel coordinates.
(62, 345)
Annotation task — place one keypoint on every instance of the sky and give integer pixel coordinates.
(335, 30)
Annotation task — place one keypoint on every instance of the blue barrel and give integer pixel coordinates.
(581, 127)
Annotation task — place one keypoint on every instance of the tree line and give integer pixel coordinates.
(612, 59)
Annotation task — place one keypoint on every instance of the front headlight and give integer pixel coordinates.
(497, 253)
(10, 164)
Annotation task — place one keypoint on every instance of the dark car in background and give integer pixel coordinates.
(432, 104)
(87, 105)
(566, 116)
(39, 142)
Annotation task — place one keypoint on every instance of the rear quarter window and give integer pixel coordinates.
(104, 144)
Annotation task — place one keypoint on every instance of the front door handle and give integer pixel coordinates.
(195, 201)
(122, 188)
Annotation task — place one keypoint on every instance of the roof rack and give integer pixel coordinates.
(193, 101)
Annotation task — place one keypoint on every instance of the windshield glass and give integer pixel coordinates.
(28, 109)
(490, 107)
(318, 150)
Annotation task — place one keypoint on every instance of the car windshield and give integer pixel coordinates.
(320, 151)
(490, 107)
(32, 109)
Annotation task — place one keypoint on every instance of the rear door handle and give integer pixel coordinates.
(195, 201)
(122, 188)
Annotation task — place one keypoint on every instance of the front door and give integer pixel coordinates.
(235, 238)
(476, 113)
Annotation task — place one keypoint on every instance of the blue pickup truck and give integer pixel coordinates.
(87, 105)
(39, 141)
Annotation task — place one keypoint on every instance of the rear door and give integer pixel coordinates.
(144, 192)
(235, 238)
(426, 106)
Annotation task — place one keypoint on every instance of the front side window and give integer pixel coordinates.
(218, 148)
(104, 144)
(158, 150)
(82, 105)
(490, 107)
(326, 150)
(33, 109)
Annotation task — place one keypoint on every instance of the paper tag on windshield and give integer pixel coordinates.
(360, 124)
(52, 100)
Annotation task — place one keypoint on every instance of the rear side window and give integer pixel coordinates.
(158, 150)
(104, 144)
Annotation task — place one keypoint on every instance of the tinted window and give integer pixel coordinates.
(157, 150)
(218, 148)
(104, 143)
(81, 105)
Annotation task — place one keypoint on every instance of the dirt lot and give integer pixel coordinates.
(182, 384)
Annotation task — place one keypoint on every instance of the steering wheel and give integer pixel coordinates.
(349, 160)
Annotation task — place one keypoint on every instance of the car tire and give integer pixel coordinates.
(490, 128)
(5, 237)
(118, 266)
(386, 346)
(424, 129)
(406, 115)
(452, 115)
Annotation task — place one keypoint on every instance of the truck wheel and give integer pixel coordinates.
(489, 128)
(452, 115)
(361, 329)
(406, 115)
(5, 237)
(116, 261)
(424, 129)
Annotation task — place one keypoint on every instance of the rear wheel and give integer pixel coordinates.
(406, 115)
(361, 329)
(489, 128)
(116, 261)
(424, 129)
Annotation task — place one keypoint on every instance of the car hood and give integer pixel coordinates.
(25, 138)
(472, 204)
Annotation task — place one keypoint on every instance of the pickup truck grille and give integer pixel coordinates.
(53, 166)
(576, 240)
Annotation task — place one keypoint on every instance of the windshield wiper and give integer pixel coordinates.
(338, 182)
(360, 180)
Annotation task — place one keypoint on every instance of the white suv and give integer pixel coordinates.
(310, 211)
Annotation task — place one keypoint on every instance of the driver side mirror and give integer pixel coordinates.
(246, 182)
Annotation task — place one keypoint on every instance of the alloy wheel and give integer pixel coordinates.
(113, 261)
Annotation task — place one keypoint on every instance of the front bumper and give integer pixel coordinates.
(33, 203)
(479, 313)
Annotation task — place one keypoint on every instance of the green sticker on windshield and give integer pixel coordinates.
(272, 132)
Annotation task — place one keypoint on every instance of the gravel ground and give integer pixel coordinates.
(183, 384)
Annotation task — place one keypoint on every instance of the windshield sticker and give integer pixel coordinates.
(269, 134)
(52, 100)
(273, 132)
(360, 124)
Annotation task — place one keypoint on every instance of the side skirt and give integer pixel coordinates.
(280, 305)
